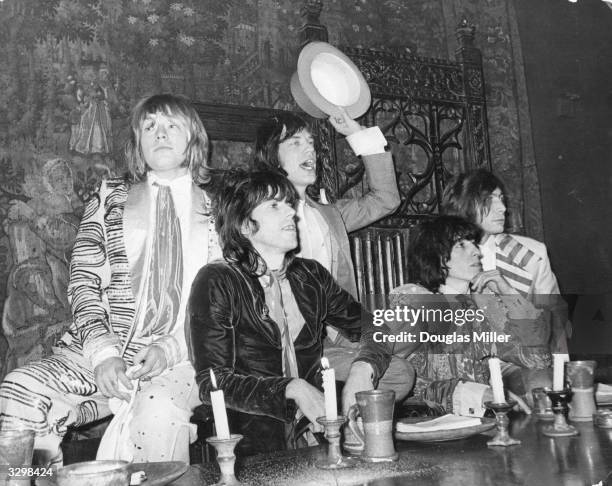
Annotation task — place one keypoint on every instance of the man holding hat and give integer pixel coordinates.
(285, 143)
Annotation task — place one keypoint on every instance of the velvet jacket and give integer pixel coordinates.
(232, 334)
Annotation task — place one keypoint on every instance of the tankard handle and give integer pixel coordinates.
(353, 413)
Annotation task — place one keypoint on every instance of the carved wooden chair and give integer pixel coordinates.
(433, 114)
(379, 257)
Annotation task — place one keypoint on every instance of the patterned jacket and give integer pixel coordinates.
(101, 290)
(455, 356)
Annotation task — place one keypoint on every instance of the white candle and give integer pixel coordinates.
(496, 381)
(217, 401)
(329, 390)
(559, 371)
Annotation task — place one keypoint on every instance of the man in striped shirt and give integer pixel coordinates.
(478, 196)
(142, 239)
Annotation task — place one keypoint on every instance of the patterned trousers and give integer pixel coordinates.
(59, 391)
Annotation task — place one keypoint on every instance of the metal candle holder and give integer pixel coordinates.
(502, 438)
(335, 459)
(226, 458)
(560, 427)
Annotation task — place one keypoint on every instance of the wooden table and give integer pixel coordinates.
(539, 460)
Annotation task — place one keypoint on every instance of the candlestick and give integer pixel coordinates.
(226, 459)
(217, 400)
(502, 438)
(542, 406)
(329, 389)
(560, 427)
(334, 459)
(559, 371)
(496, 380)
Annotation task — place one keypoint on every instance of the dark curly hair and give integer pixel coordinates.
(431, 248)
(274, 131)
(467, 195)
(233, 205)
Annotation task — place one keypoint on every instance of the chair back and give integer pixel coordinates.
(380, 260)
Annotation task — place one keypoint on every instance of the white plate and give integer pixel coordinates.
(443, 435)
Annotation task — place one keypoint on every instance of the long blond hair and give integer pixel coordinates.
(196, 157)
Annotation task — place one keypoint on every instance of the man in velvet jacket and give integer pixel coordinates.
(285, 143)
(258, 319)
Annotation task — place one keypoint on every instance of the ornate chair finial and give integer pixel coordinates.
(465, 33)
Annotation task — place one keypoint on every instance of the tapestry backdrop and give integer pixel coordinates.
(71, 69)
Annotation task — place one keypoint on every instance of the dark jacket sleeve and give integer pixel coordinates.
(348, 316)
(218, 297)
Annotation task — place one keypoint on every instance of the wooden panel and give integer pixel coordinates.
(237, 123)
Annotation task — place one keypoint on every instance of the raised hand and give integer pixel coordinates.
(343, 123)
(494, 281)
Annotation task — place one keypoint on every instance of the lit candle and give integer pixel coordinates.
(496, 381)
(329, 390)
(559, 371)
(217, 401)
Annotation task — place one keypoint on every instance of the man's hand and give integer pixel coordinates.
(153, 361)
(493, 280)
(309, 400)
(343, 123)
(108, 374)
(359, 379)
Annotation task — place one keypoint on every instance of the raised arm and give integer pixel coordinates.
(382, 197)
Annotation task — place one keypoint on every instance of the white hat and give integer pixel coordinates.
(325, 79)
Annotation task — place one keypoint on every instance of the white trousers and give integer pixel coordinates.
(59, 391)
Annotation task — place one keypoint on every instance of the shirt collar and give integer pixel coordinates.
(490, 242)
(177, 182)
(270, 276)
